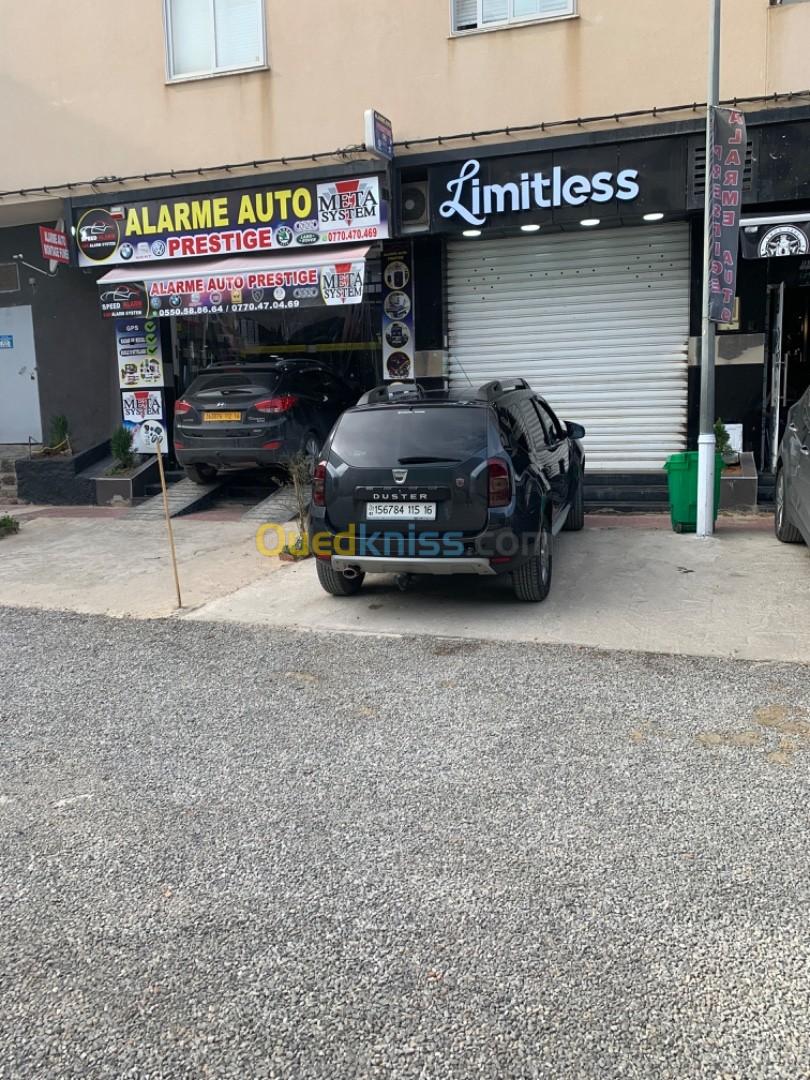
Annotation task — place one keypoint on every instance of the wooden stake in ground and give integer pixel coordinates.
(169, 524)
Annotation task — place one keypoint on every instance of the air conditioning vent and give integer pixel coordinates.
(415, 209)
(697, 171)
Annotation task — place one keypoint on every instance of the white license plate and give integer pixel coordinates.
(402, 511)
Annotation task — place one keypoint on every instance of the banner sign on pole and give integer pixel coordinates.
(53, 243)
(725, 175)
(142, 414)
(140, 358)
(397, 313)
(379, 134)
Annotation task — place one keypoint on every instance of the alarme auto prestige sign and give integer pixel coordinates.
(558, 187)
(237, 222)
(245, 290)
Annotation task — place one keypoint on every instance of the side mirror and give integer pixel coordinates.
(575, 431)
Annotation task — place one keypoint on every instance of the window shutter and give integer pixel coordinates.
(466, 14)
(191, 37)
(494, 11)
(238, 32)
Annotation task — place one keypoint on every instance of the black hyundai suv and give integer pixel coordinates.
(234, 416)
(455, 482)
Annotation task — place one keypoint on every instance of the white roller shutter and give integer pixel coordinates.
(598, 322)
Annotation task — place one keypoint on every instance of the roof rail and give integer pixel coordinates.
(394, 391)
(493, 389)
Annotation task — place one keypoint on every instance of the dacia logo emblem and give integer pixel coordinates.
(400, 475)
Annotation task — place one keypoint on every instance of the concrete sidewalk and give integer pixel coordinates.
(110, 565)
(622, 583)
(740, 594)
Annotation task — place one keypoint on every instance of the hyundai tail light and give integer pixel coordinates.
(499, 484)
(319, 484)
(181, 407)
(280, 404)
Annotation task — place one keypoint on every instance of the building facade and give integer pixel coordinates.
(541, 216)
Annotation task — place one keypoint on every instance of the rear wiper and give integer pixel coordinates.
(426, 460)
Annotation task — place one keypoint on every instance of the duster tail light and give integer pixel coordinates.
(499, 483)
(319, 484)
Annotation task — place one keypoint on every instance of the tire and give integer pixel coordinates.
(576, 515)
(532, 581)
(785, 532)
(201, 474)
(312, 450)
(336, 583)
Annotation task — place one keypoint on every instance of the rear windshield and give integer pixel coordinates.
(249, 381)
(386, 437)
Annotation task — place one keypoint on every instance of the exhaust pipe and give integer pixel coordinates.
(351, 572)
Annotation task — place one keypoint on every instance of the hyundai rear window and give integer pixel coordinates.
(250, 381)
(388, 437)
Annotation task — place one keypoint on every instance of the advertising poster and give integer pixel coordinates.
(777, 239)
(53, 243)
(140, 358)
(397, 313)
(726, 178)
(147, 436)
(233, 223)
(248, 290)
(142, 414)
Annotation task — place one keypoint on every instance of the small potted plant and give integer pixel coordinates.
(8, 525)
(58, 438)
(126, 479)
(723, 444)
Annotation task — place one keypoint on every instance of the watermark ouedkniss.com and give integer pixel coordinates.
(359, 542)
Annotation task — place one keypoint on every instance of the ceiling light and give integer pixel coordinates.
(653, 217)
(471, 232)
(529, 228)
(589, 222)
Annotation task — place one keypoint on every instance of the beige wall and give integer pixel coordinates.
(83, 91)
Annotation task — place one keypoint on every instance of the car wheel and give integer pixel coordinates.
(532, 581)
(576, 515)
(201, 474)
(335, 582)
(785, 532)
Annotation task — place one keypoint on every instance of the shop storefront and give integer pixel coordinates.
(579, 267)
(236, 275)
(572, 268)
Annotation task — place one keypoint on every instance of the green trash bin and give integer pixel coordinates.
(682, 479)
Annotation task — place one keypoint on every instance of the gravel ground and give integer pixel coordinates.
(226, 852)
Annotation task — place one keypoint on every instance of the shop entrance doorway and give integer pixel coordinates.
(787, 372)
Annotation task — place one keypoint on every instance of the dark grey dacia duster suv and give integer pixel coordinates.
(453, 482)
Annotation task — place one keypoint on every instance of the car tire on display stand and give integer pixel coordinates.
(532, 580)
(785, 532)
(201, 474)
(576, 515)
(312, 449)
(335, 582)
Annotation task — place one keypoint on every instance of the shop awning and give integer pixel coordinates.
(280, 281)
(772, 236)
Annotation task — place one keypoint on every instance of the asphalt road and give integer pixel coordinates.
(230, 852)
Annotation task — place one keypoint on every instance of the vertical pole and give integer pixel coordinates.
(168, 524)
(705, 496)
